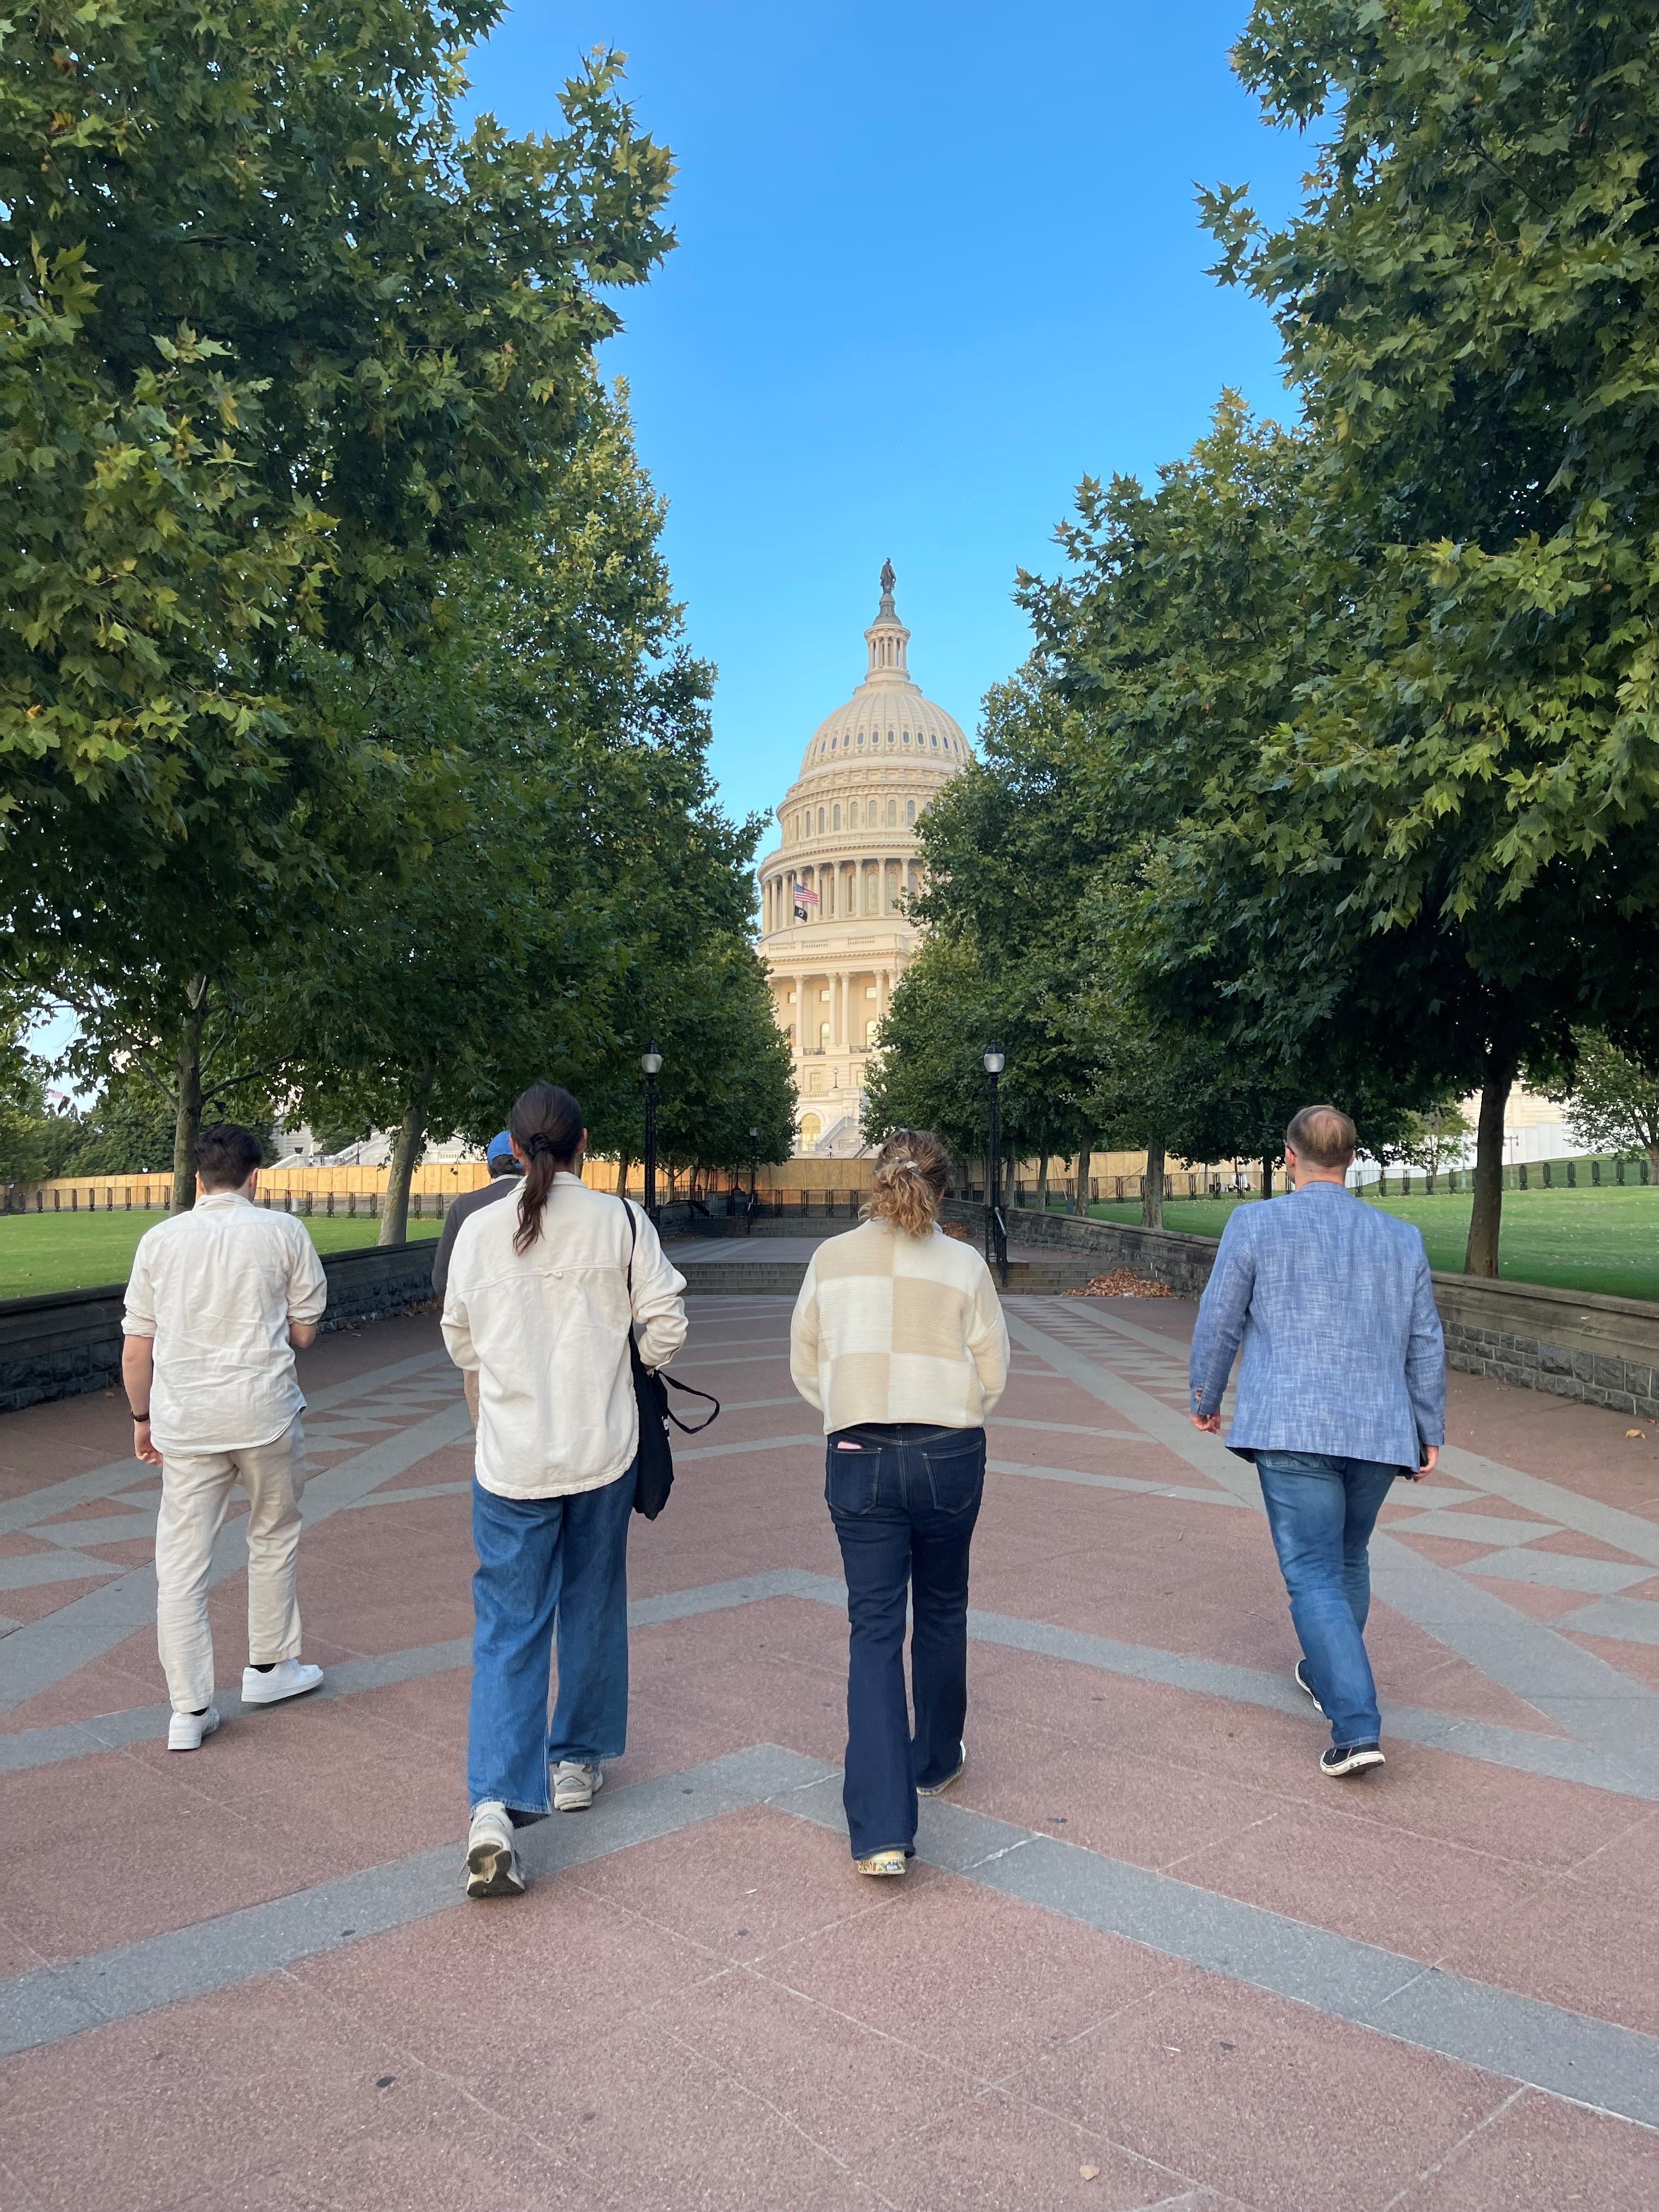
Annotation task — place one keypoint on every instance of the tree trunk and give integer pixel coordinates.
(623, 1165)
(1151, 1187)
(1042, 1185)
(1653, 1163)
(187, 1113)
(1266, 1175)
(1084, 1162)
(1487, 1215)
(405, 1153)
(1010, 1169)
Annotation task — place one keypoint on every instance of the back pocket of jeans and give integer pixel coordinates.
(849, 1479)
(956, 1470)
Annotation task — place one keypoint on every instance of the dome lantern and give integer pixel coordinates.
(887, 637)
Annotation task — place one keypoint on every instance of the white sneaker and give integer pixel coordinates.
(492, 1856)
(573, 1785)
(289, 1678)
(186, 1730)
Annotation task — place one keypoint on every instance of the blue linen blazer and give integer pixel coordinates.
(1343, 1352)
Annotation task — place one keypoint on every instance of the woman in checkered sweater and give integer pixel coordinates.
(898, 1339)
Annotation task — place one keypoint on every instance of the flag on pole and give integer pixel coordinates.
(806, 899)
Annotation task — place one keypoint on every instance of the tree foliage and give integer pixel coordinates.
(1612, 1105)
(281, 343)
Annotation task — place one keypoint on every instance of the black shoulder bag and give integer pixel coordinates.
(656, 1475)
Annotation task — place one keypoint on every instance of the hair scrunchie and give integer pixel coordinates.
(541, 1144)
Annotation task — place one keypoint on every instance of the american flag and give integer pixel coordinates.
(806, 898)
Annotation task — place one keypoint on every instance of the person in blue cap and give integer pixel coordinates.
(505, 1175)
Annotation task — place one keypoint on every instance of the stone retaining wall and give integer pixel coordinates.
(69, 1342)
(1166, 1254)
(1574, 1344)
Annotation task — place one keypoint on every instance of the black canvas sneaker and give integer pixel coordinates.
(1350, 1758)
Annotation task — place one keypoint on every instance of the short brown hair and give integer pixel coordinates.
(227, 1155)
(1323, 1136)
(911, 1178)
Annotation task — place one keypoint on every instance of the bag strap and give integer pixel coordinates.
(633, 1238)
(691, 1429)
(689, 1390)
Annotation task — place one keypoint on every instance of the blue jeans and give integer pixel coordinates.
(904, 1501)
(542, 1559)
(1322, 1511)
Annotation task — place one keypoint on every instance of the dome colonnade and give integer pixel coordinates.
(834, 932)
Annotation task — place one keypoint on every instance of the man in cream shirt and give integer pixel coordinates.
(220, 1300)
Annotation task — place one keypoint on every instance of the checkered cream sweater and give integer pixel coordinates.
(891, 1328)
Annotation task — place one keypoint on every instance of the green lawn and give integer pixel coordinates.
(41, 1252)
(1604, 1240)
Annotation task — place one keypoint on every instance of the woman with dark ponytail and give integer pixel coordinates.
(538, 1308)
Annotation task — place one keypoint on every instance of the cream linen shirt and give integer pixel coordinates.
(547, 1332)
(891, 1328)
(216, 1288)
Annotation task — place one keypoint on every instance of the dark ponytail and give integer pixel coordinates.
(546, 1124)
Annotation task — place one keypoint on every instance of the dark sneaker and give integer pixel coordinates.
(936, 1788)
(1350, 1758)
(1305, 1686)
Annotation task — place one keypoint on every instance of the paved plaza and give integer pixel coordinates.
(1148, 1955)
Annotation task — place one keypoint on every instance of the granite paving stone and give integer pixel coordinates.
(726, 2015)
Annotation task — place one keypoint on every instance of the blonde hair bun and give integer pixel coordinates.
(907, 1189)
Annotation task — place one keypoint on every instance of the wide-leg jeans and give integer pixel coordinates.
(1322, 1511)
(547, 1567)
(904, 1498)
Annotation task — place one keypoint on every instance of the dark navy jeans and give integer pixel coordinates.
(904, 1498)
(542, 1560)
(1322, 1511)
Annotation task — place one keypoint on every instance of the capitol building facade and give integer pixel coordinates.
(834, 932)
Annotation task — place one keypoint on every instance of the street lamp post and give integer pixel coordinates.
(996, 1229)
(753, 1173)
(651, 1061)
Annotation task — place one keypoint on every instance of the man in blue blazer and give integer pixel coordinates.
(1342, 1387)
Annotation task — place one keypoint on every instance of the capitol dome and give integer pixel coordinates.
(887, 719)
(835, 892)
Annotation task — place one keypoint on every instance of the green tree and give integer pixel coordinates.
(1613, 1102)
(563, 884)
(288, 343)
(1467, 299)
(25, 1118)
(1435, 1141)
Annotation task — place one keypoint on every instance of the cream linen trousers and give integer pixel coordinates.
(196, 1489)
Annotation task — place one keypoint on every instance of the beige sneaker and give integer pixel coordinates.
(882, 1864)
(573, 1785)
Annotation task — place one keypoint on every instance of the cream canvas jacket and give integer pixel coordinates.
(891, 1328)
(547, 1335)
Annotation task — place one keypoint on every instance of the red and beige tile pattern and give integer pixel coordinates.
(1148, 1957)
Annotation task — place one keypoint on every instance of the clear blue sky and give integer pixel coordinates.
(936, 262)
